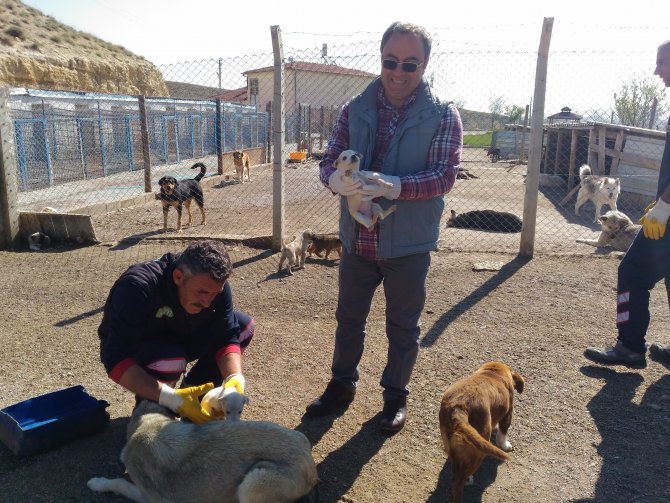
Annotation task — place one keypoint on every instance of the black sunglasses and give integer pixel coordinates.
(407, 66)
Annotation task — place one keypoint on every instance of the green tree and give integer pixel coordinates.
(634, 102)
(496, 106)
(515, 113)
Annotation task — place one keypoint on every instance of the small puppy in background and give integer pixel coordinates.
(179, 194)
(599, 190)
(493, 153)
(365, 213)
(242, 164)
(293, 253)
(224, 404)
(618, 231)
(38, 241)
(471, 409)
(320, 243)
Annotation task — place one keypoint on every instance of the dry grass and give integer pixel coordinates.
(28, 30)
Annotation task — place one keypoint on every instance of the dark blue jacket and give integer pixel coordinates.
(143, 306)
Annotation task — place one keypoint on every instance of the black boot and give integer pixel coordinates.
(336, 396)
(394, 415)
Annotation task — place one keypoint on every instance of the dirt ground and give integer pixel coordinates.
(581, 432)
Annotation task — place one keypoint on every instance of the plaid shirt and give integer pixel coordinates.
(444, 157)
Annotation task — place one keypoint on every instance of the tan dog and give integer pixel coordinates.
(293, 253)
(324, 242)
(365, 213)
(618, 231)
(242, 164)
(471, 409)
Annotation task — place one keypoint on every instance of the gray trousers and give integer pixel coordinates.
(404, 281)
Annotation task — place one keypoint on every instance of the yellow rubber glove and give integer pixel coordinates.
(655, 220)
(234, 382)
(645, 211)
(185, 401)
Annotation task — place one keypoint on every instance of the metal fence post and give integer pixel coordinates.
(9, 191)
(536, 130)
(144, 134)
(101, 137)
(277, 162)
(268, 132)
(218, 133)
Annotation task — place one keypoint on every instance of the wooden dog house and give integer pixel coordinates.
(630, 153)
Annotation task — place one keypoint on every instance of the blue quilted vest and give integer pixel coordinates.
(415, 225)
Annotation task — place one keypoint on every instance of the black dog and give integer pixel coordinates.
(486, 220)
(180, 193)
(493, 153)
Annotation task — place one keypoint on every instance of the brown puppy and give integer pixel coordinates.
(242, 163)
(180, 193)
(471, 409)
(324, 242)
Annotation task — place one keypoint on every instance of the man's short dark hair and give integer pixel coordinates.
(209, 256)
(400, 27)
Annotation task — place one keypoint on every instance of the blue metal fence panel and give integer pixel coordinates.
(80, 137)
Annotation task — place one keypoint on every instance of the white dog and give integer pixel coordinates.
(365, 213)
(599, 190)
(176, 461)
(293, 253)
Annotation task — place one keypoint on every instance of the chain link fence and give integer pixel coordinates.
(84, 153)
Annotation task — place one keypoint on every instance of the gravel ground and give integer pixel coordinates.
(581, 432)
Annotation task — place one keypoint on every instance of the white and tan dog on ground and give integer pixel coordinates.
(599, 190)
(618, 231)
(242, 461)
(293, 253)
(364, 212)
(471, 409)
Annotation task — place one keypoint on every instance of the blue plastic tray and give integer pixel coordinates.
(47, 421)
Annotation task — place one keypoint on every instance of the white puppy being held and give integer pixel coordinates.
(361, 208)
(599, 190)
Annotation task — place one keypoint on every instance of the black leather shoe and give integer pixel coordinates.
(394, 415)
(336, 396)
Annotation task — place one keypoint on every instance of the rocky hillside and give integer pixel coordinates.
(39, 52)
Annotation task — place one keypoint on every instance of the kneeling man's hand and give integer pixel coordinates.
(234, 382)
(185, 401)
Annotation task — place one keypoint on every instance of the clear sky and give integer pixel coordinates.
(170, 31)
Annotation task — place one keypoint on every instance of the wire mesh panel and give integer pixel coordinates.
(604, 108)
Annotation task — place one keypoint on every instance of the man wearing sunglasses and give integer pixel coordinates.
(410, 139)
